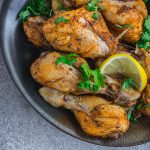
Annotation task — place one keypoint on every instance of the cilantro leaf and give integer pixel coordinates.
(128, 83)
(61, 19)
(92, 5)
(123, 26)
(92, 79)
(144, 41)
(68, 59)
(35, 8)
(95, 16)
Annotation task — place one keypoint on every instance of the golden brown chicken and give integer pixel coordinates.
(123, 13)
(80, 34)
(33, 29)
(61, 77)
(128, 13)
(96, 116)
(66, 79)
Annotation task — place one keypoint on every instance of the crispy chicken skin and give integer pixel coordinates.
(61, 77)
(96, 116)
(120, 12)
(81, 34)
(33, 30)
(125, 12)
(66, 78)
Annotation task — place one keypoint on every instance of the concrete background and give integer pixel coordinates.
(21, 128)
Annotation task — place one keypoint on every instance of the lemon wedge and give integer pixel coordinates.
(126, 65)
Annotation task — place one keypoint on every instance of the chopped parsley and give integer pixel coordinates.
(35, 8)
(144, 41)
(61, 19)
(123, 26)
(128, 83)
(68, 59)
(93, 5)
(95, 16)
(92, 79)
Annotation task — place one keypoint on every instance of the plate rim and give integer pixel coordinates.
(20, 88)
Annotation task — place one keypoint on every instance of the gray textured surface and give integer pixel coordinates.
(21, 128)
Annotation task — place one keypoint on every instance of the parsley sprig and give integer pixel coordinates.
(92, 79)
(144, 41)
(93, 5)
(128, 83)
(68, 59)
(61, 19)
(35, 8)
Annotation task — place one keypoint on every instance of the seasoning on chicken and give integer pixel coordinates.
(146, 98)
(79, 33)
(33, 29)
(66, 78)
(96, 116)
(120, 15)
(61, 77)
(125, 13)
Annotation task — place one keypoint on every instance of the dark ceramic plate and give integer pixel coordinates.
(19, 54)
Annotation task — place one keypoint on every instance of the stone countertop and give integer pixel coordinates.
(22, 128)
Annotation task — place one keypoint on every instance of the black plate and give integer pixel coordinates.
(19, 54)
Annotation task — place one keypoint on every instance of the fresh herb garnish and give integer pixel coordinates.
(35, 8)
(123, 26)
(92, 5)
(61, 19)
(144, 41)
(145, 1)
(137, 108)
(68, 59)
(95, 16)
(92, 79)
(130, 114)
(128, 83)
(147, 105)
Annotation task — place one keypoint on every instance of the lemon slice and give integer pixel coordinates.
(126, 65)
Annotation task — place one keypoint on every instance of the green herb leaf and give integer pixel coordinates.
(147, 105)
(129, 115)
(128, 83)
(86, 71)
(92, 5)
(92, 79)
(145, 1)
(137, 109)
(123, 26)
(61, 19)
(98, 78)
(68, 59)
(144, 41)
(95, 16)
(35, 8)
